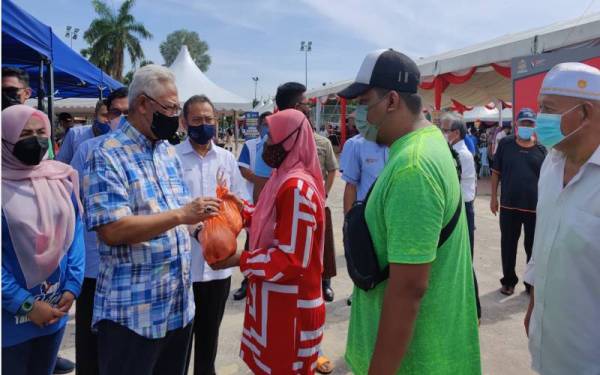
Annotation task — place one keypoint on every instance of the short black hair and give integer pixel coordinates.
(99, 104)
(263, 116)
(412, 101)
(64, 116)
(8, 71)
(193, 100)
(288, 95)
(119, 93)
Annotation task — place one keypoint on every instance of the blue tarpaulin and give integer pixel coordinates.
(26, 42)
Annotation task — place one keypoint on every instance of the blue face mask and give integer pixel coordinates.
(101, 127)
(548, 128)
(201, 134)
(264, 130)
(525, 133)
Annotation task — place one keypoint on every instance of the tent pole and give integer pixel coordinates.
(343, 129)
(235, 132)
(51, 100)
(41, 94)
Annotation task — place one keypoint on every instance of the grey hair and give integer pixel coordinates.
(149, 80)
(456, 123)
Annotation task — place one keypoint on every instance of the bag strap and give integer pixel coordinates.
(449, 228)
(370, 190)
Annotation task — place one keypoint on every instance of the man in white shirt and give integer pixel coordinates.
(455, 131)
(202, 160)
(563, 319)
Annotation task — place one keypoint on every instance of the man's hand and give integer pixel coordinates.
(43, 314)
(199, 210)
(232, 261)
(66, 301)
(529, 312)
(494, 205)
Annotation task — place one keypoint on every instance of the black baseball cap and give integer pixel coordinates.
(386, 69)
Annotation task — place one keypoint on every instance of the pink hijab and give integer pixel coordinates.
(301, 162)
(36, 201)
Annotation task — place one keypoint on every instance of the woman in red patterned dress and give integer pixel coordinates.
(285, 314)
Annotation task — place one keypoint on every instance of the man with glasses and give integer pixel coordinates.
(15, 87)
(138, 203)
(206, 166)
(106, 118)
(86, 345)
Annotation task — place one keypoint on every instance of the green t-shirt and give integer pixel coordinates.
(415, 196)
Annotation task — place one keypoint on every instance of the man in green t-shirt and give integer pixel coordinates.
(422, 319)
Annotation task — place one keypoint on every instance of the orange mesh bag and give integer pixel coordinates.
(230, 211)
(219, 234)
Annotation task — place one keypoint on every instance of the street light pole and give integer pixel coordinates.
(255, 79)
(306, 47)
(71, 34)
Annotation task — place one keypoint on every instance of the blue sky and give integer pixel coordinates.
(262, 37)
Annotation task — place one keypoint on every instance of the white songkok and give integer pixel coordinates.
(572, 79)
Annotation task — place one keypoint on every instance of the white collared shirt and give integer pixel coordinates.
(564, 331)
(468, 177)
(200, 175)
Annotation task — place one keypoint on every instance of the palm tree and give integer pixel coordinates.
(112, 33)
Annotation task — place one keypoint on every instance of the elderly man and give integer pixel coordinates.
(455, 131)
(139, 205)
(420, 319)
(563, 319)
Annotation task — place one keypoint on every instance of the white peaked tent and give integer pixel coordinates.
(191, 81)
(483, 114)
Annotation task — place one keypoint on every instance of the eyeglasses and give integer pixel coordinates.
(116, 112)
(447, 131)
(174, 110)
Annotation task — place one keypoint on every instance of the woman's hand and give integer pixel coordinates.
(66, 301)
(232, 261)
(43, 314)
(235, 199)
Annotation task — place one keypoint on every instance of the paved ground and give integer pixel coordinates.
(503, 342)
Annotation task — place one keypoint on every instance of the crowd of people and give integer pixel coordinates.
(114, 223)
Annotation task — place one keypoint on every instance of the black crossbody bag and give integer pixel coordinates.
(361, 259)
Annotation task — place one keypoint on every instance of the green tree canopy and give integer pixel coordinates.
(111, 34)
(197, 47)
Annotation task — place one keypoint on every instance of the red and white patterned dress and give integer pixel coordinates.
(285, 313)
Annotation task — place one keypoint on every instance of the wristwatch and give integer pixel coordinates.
(26, 306)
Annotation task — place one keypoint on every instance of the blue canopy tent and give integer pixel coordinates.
(31, 45)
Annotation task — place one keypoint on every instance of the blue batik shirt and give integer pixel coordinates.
(145, 287)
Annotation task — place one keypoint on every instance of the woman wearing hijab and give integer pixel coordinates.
(285, 314)
(42, 244)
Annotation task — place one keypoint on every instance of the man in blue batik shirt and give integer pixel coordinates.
(137, 202)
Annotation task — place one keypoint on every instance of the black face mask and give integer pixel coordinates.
(163, 126)
(275, 154)
(31, 150)
(10, 97)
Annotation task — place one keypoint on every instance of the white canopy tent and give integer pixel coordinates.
(191, 81)
(481, 113)
(486, 84)
(267, 106)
